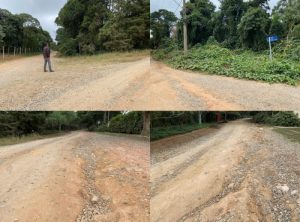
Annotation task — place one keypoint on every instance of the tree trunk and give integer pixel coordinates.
(108, 119)
(200, 117)
(146, 124)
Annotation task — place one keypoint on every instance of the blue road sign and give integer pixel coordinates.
(272, 38)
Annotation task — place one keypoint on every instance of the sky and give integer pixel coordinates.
(45, 11)
(172, 6)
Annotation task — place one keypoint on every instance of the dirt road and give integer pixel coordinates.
(77, 177)
(240, 172)
(78, 83)
(180, 90)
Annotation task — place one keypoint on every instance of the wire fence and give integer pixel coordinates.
(6, 51)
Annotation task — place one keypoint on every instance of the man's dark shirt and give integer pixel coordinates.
(46, 52)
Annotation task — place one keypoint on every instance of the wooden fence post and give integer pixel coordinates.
(14, 51)
(3, 52)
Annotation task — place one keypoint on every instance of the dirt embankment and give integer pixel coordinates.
(240, 173)
(78, 177)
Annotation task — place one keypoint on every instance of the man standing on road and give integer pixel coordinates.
(46, 53)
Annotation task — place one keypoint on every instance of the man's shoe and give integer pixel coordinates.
(52, 71)
(45, 71)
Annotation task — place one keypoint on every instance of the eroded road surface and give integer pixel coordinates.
(77, 177)
(182, 90)
(240, 172)
(76, 84)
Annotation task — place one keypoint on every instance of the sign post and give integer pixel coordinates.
(270, 39)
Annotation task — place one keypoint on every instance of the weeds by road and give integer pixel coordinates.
(16, 140)
(239, 64)
(163, 132)
(292, 133)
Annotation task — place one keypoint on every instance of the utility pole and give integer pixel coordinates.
(185, 35)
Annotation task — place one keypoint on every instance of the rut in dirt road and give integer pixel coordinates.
(76, 84)
(240, 172)
(73, 178)
(182, 90)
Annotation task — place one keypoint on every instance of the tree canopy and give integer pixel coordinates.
(91, 26)
(236, 24)
(21, 30)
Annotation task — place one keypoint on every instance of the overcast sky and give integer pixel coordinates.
(172, 6)
(44, 10)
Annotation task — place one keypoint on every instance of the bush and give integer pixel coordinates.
(68, 47)
(288, 119)
(241, 64)
(130, 123)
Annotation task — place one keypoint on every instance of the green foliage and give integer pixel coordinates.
(226, 21)
(21, 30)
(69, 46)
(129, 123)
(18, 124)
(103, 25)
(239, 64)
(161, 22)
(199, 15)
(253, 29)
(61, 121)
(163, 132)
(288, 119)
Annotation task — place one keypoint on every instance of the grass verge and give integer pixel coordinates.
(109, 58)
(163, 132)
(292, 134)
(12, 140)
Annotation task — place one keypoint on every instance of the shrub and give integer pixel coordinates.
(287, 119)
(241, 64)
(130, 123)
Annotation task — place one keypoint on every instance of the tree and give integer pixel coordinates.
(97, 25)
(2, 35)
(146, 124)
(226, 22)
(161, 22)
(199, 15)
(22, 30)
(253, 29)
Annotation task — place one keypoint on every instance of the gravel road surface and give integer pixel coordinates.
(242, 172)
(182, 90)
(77, 177)
(76, 84)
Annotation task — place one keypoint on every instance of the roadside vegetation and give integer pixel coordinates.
(286, 119)
(232, 41)
(212, 58)
(18, 127)
(11, 140)
(292, 134)
(163, 132)
(166, 124)
(108, 57)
